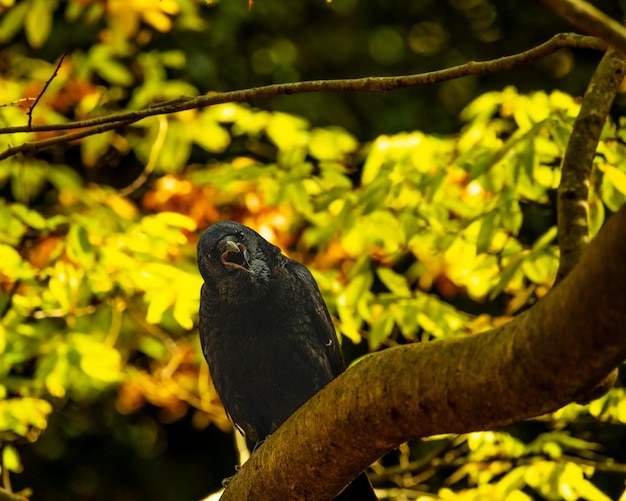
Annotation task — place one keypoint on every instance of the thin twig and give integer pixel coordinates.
(368, 84)
(415, 466)
(592, 21)
(17, 102)
(52, 141)
(39, 96)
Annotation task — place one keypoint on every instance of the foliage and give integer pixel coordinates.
(411, 236)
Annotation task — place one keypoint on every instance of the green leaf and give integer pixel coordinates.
(590, 492)
(560, 133)
(154, 348)
(511, 482)
(92, 148)
(488, 229)
(79, 248)
(28, 216)
(544, 240)
(540, 269)
(20, 414)
(12, 265)
(395, 282)
(27, 182)
(12, 21)
(11, 228)
(98, 360)
(380, 330)
(506, 276)
(64, 178)
(210, 135)
(527, 157)
(52, 369)
(482, 164)
(176, 220)
(38, 21)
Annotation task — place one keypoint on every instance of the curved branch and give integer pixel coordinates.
(591, 20)
(538, 362)
(573, 192)
(368, 84)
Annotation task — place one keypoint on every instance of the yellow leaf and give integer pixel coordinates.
(617, 177)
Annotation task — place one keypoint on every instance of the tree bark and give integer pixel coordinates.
(573, 193)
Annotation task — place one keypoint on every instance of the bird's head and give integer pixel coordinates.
(232, 256)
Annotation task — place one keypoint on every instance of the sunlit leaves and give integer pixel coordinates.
(21, 415)
(210, 135)
(80, 365)
(610, 407)
(505, 466)
(66, 289)
(167, 288)
(127, 15)
(568, 480)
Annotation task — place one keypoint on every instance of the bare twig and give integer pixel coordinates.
(416, 466)
(592, 21)
(368, 84)
(45, 87)
(18, 102)
(47, 143)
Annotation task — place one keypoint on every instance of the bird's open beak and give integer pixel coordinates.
(235, 255)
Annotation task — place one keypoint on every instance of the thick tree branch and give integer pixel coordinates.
(578, 161)
(538, 362)
(592, 21)
(368, 84)
(573, 192)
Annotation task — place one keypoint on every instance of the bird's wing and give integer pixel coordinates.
(316, 307)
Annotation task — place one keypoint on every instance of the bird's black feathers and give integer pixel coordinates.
(265, 330)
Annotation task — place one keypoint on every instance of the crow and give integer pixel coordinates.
(265, 332)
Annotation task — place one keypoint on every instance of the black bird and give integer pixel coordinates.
(265, 332)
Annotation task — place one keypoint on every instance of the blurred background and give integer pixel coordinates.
(105, 392)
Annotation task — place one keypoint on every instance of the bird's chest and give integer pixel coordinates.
(251, 339)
